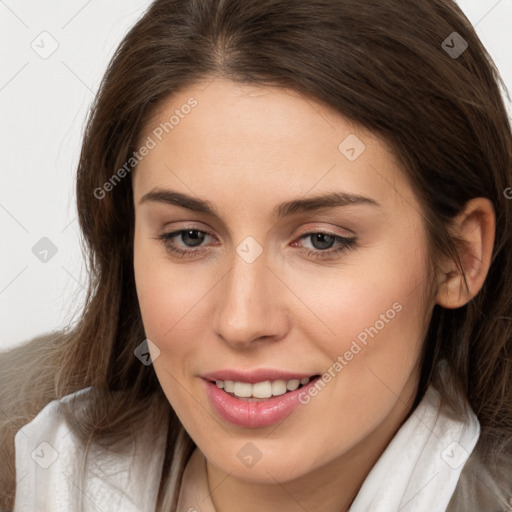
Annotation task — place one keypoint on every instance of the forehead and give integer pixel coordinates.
(239, 141)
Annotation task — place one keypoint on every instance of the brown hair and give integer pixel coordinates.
(379, 64)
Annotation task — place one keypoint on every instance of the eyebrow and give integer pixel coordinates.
(313, 203)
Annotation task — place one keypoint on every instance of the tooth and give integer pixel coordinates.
(243, 389)
(262, 389)
(278, 387)
(293, 384)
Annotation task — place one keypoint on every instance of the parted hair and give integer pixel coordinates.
(383, 66)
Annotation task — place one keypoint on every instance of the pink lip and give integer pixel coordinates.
(254, 414)
(258, 375)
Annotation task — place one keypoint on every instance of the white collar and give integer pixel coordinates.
(49, 464)
(421, 466)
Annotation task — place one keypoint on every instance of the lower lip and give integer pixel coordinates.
(254, 414)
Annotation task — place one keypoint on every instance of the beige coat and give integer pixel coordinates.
(483, 489)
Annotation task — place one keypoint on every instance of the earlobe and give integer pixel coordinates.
(475, 228)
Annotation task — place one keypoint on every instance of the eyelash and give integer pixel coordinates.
(347, 244)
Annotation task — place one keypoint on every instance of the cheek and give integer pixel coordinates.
(173, 300)
(165, 293)
(170, 303)
(379, 296)
(369, 322)
(166, 302)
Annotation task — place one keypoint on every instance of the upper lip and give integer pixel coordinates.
(256, 375)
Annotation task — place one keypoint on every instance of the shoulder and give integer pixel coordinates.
(29, 369)
(46, 450)
(49, 423)
(484, 486)
(27, 384)
(55, 471)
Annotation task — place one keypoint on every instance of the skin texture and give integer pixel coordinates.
(246, 149)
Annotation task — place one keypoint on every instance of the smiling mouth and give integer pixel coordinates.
(261, 391)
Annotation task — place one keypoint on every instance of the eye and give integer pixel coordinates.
(190, 237)
(192, 240)
(321, 241)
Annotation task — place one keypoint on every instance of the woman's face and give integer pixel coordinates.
(263, 282)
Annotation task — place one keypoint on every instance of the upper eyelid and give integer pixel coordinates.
(328, 231)
(308, 232)
(225, 230)
(203, 230)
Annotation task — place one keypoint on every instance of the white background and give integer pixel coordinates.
(43, 104)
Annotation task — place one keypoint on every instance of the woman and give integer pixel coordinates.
(299, 243)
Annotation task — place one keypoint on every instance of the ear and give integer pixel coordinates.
(475, 226)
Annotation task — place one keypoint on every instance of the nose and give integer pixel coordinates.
(250, 305)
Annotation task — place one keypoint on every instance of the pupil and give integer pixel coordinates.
(321, 238)
(196, 240)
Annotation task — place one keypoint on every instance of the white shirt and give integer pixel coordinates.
(48, 457)
(417, 472)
